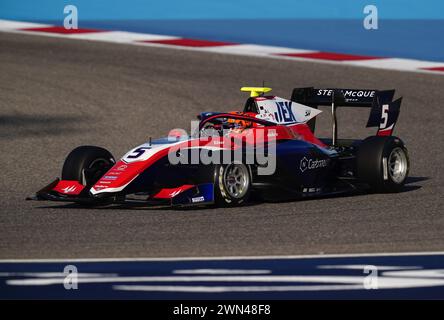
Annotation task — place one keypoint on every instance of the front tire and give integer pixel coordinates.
(232, 184)
(86, 164)
(383, 163)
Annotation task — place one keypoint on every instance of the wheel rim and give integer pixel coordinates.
(398, 165)
(236, 180)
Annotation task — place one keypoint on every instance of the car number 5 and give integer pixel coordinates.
(137, 152)
(384, 116)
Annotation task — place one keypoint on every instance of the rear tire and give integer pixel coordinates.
(232, 184)
(86, 164)
(383, 163)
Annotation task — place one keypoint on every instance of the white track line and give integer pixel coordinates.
(14, 25)
(120, 36)
(270, 257)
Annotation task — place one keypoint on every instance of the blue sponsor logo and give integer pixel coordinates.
(110, 177)
(284, 113)
(197, 199)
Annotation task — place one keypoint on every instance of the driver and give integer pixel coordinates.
(225, 126)
(238, 125)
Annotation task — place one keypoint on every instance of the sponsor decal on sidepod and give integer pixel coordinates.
(310, 164)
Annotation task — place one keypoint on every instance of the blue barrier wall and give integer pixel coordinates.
(407, 28)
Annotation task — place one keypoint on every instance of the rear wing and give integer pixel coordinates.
(383, 111)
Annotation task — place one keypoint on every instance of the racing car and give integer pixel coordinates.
(267, 151)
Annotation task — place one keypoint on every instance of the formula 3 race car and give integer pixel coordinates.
(268, 151)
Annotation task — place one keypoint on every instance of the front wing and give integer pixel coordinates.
(74, 192)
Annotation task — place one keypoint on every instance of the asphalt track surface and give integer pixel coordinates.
(56, 94)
